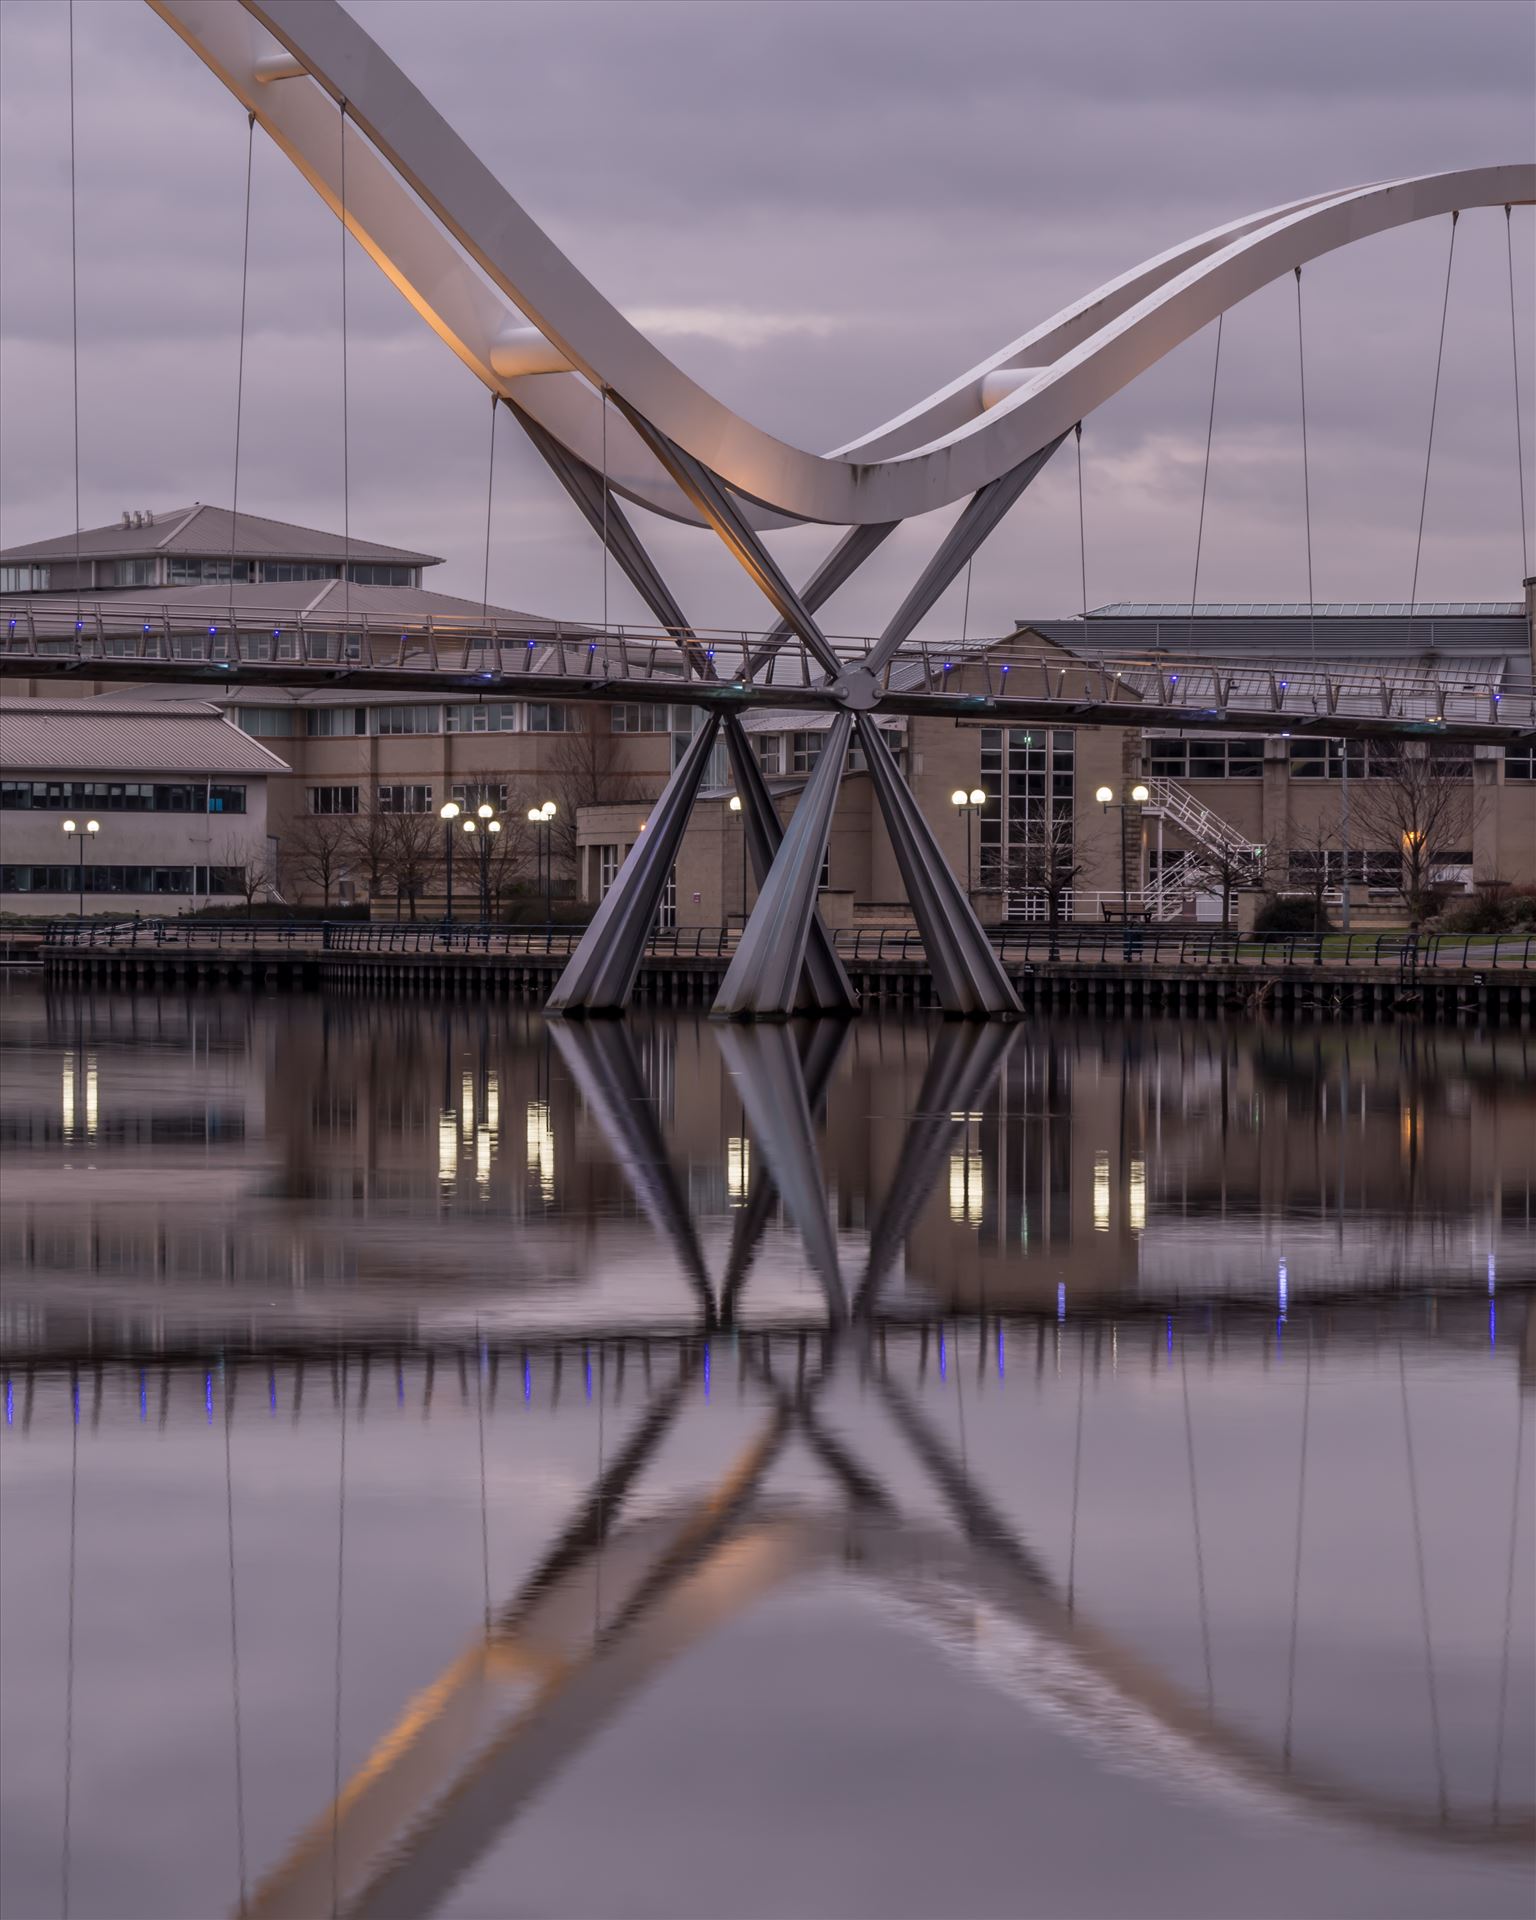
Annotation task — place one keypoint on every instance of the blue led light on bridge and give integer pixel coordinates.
(208, 1396)
(74, 1397)
(1493, 1323)
(271, 1393)
(1283, 1284)
(1170, 1333)
(1061, 1300)
(143, 1397)
(1002, 1357)
(527, 1380)
(706, 1369)
(943, 1357)
(10, 1404)
(586, 1367)
(1493, 1273)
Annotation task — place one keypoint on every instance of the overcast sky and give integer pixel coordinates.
(822, 212)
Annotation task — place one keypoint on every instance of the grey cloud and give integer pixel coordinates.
(905, 187)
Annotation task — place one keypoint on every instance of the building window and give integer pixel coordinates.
(133, 573)
(405, 719)
(371, 573)
(186, 881)
(637, 718)
(266, 723)
(1377, 867)
(488, 716)
(546, 718)
(405, 799)
(184, 572)
(327, 723)
(1211, 757)
(283, 570)
(769, 748)
(1027, 824)
(609, 859)
(333, 799)
(805, 751)
(1520, 763)
(471, 794)
(1371, 759)
(119, 796)
(23, 579)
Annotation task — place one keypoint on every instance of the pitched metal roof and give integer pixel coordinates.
(1290, 609)
(141, 737)
(214, 532)
(279, 602)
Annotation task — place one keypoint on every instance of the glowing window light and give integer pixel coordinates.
(967, 1185)
(1283, 1286)
(1101, 1192)
(1137, 1196)
(738, 1167)
(67, 1097)
(483, 1156)
(467, 1103)
(1493, 1274)
(447, 1147)
(90, 1096)
(541, 1149)
(493, 1102)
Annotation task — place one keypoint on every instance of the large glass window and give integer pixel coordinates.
(133, 573)
(609, 859)
(266, 723)
(121, 796)
(182, 571)
(1208, 757)
(544, 717)
(66, 879)
(485, 716)
(471, 794)
(1520, 763)
(333, 799)
(769, 748)
(406, 719)
(636, 717)
(329, 723)
(805, 751)
(1368, 866)
(299, 570)
(1027, 823)
(372, 573)
(23, 579)
(407, 798)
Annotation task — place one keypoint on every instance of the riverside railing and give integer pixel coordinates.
(1136, 945)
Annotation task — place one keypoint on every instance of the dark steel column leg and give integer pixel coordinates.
(600, 974)
(965, 967)
(763, 981)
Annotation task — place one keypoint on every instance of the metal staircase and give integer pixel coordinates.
(1190, 872)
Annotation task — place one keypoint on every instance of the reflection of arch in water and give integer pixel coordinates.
(473, 1748)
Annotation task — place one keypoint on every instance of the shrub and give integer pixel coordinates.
(1291, 913)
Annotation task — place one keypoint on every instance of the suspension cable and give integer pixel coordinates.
(245, 276)
(341, 1565)
(1205, 480)
(234, 1632)
(1434, 402)
(604, 392)
(74, 318)
(1082, 543)
(1514, 362)
(490, 487)
(346, 473)
(1306, 477)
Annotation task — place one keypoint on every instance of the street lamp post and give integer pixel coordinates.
(970, 804)
(735, 806)
(1105, 796)
(448, 815)
(91, 828)
(545, 817)
(485, 825)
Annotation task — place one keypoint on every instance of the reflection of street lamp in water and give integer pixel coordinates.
(91, 829)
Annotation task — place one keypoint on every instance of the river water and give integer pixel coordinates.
(457, 1463)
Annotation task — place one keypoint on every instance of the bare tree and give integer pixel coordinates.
(369, 836)
(1222, 870)
(587, 770)
(1045, 861)
(1418, 799)
(252, 870)
(1311, 861)
(413, 854)
(318, 850)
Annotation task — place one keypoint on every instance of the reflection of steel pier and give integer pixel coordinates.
(613, 1601)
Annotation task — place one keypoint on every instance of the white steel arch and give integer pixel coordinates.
(522, 311)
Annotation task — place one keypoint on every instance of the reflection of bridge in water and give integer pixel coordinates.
(628, 1585)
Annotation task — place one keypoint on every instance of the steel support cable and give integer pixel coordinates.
(1082, 540)
(490, 489)
(1306, 475)
(1194, 1511)
(245, 280)
(341, 1563)
(1077, 1466)
(485, 1525)
(1509, 1605)
(604, 397)
(1301, 1509)
(1418, 1561)
(1205, 480)
(74, 310)
(1434, 403)
(234, 1631)
(69, 1632)
(1514, 363)
(346, 456)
